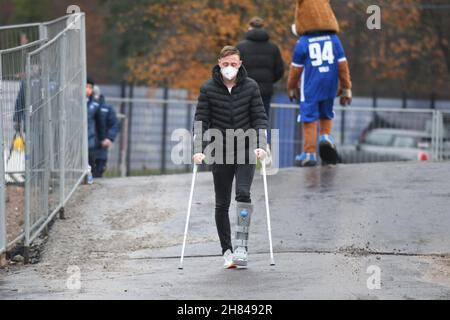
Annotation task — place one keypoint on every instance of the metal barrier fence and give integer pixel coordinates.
(362, 134)
(43, 127)
(19, 35)
(13, 82)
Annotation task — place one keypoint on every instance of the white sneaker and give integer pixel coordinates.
(240, 257)
(228, 257)
(90, 179)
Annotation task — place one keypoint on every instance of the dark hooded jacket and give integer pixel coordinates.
(262, 59)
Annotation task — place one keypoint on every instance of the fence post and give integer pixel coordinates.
(42, 31)
(433, 101)
(85, 151)
(62, 128)
(124, 148)
(433, 135)
(129, 128)
(440, 136)
(437, 136)
(28, 110)
(124, 128)
(164, 131)
(47, 129)
(43, 34)
(3, 237)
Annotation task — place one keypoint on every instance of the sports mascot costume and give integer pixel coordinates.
(318, 71)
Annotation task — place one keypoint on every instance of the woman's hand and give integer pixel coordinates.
(198, 158)
(261, 154)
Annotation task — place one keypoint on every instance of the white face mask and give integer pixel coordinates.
(229, 72)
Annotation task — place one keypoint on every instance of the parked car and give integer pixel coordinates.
(380, 145)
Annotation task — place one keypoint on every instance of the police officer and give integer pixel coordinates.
(109, 117)
(96, 126)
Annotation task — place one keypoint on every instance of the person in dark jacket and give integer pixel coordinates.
(262, 59)
(96, 126)
(231, 100)
(112, 130)
(19, 109)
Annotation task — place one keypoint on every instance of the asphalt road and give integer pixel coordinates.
(334, 230)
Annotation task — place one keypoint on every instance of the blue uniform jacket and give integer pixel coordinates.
(96, 124)
(109, 116)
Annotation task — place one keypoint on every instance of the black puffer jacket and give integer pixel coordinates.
(262, 59)
(241, 109)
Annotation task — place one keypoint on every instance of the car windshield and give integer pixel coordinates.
(379, 139)
(405, 142)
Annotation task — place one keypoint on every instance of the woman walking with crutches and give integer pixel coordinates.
(231, 102)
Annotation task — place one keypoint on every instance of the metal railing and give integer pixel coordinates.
(43, 127)
(414, 133)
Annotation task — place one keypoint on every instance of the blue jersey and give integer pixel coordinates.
(319, 55)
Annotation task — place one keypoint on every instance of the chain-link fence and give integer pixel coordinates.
(43, 126)
(362, 134)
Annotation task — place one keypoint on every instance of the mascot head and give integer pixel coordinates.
(314, 16)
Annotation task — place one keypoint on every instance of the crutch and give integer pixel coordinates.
(188, 216)
(269, 228)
